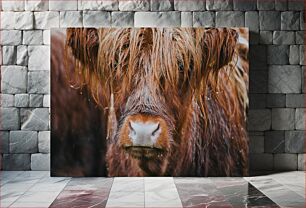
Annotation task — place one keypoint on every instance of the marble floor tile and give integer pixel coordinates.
(277, 192)
(50, 184)
(155, 184)
(200, 192)
(29, 176)
(6, 176)
(38, 189)
(84, 192)
(295, 181)
(80, 198)
(30, 205)
(161, 192)
(125, 200)
(128, 184)
(39, 197)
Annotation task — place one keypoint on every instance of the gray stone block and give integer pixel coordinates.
(11, 37)
(186, 19)
(296, 5)
(258, 56)
(285, 79)
(33, 37)
(21, 100)
(98, 5)
(295, 142)
(63, 5)
(46, 20)
(229, 19)
(266, 37)
(22, 55)
(44, 141)
(276, 100)
(39, 58)
(157, 19)
(244, 5)
(6, 100)
(265, 5)
(203, 19)
(122, 19)
(39, 82)
(295, 100)
(261, 162)
(258, 81)
(269, 20)
(302, 20)
(251, 21)
(36, 100)
(40, 161)
(46, 37)
(195, 5)
(301, 161)
(24, 20)
(216, 5)
(256, 144)
(13, 5)
(9, 55)
(303, 79)
(299, 37)
(283, 37)
(283, 118)
(36, 120)
(274, 142)
(96, 19)
(256, 133)
(257, 101)
(285, 162)
(134, 5)
(16, 162)
(9, 119)
(37, 5)
(46, 101)
(14, 79)
(302, 55)
(290, 21)
(162, 5)
(281, 5)
(259, 120)
(278, 54)
(294, 54)
(300, 119)
(23, 142)
(6, 20)
(4, 141)
(71, 19)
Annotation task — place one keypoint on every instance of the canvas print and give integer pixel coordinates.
(149, 102)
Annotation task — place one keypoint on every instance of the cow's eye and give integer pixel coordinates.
(181, 67)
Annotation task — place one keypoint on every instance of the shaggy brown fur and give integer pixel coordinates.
(193, 80)
(77, 124)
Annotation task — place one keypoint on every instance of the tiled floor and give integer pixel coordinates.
(38, 189)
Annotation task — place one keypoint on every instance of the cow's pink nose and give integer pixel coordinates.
(144, 134)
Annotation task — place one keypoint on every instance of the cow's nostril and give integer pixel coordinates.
(131, 128)
(156, 130)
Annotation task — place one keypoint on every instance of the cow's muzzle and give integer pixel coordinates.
(145, 136)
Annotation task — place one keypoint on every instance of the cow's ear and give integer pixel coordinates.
(83, 44)
(218, 47)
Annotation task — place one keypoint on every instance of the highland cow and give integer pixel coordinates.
(169, 101)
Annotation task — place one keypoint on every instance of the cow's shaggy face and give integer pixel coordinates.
(155, 78)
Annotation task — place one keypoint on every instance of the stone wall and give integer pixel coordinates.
(276, 114)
